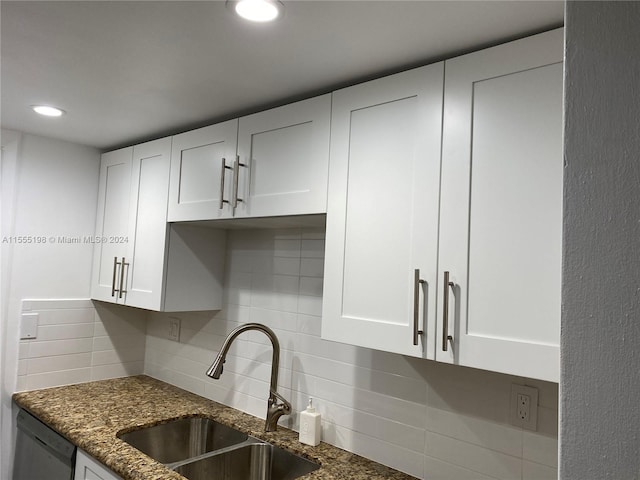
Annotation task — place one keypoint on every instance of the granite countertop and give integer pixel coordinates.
(91, 414)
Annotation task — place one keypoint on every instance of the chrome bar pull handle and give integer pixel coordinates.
(222, 175)
(236, 167)
(445, 313)
(417, 281)
(113, 281)
(122, 290)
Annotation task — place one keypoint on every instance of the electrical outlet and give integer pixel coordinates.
(524, 406)
(174, 329)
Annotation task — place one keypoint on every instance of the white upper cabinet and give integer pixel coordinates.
(501, 208)
(283, 160)
(141, 260)
(148, 226)
(382, 215)
(272, 163)
(201, 173)
(112, 223)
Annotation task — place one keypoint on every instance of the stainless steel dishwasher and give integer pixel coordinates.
(41, 452)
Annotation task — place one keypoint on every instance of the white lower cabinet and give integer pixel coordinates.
(141, 260)
(89, 469)
(485, 213)
(382, 215)
(501, 208)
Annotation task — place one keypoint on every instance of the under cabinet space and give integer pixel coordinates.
(141, 260)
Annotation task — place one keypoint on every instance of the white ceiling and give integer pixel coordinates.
(128, 71)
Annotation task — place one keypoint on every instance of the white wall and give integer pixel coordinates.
(50, 188)
(600, 412)
(432, 420)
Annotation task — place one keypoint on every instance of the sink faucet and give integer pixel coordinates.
(274, 409)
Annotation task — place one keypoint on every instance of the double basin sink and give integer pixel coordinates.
(199, 448)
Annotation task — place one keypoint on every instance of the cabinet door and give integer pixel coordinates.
(147, 245)
(501, 207)
(382, 217)
(283, 160)
(89, 469)
(201, 173)
(111, 224)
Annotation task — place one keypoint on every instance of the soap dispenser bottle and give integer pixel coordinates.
(310, 427)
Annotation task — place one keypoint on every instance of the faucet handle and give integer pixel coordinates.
(285, 406)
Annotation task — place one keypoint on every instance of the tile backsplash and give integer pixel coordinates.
(431, 420)
(78, 341)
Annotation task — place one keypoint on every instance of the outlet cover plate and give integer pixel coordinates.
(531, 423)
(174, 329)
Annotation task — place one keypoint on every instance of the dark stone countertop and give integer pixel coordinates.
(91, 414)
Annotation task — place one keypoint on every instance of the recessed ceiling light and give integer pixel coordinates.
(258, 10)
(47, 110)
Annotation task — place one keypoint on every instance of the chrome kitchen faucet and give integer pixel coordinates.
(274, 409)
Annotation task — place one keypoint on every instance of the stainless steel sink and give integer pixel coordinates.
(183, 439)
(254, 461)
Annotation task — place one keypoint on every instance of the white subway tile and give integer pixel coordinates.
(548, 421)
(309, 324)
(21, 384)
(65, 332)
(540, 448)
(435, 469)
(313, 233)
(384, 383)
(405, 436)
(287, 247)
(311, 286)
(57, 363)
(309, 305)
(293, 233)
(60, 347)
(65, 316)
(312, 248)
(535, 471)
(108, 357)
(473, 457)
(239, 262)
(190, 383)
(286, 266)
(494, 436)
(102, 372)
(386, 453)
(312, 267)
(54, 379)
(23, 349)
(56, 303)
(22, 366)
(285, 302)
(385, 406)
(275, 283)
(468, 391)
